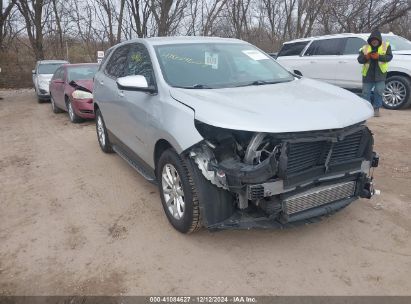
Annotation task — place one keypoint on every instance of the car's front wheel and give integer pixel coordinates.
(178, 192)
(102, 136)
(54, 107)
(397, 93)
(74, 118)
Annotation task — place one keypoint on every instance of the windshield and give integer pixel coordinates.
(397, 43)
(218, 65)
(82, 73)
(48, 68)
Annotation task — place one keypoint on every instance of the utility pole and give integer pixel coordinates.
(67, 53)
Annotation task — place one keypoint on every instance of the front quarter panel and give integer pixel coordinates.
(172, 121)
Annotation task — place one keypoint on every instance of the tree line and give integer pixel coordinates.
(54, 28)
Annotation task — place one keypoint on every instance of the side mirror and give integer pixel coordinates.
(33, 71)
(298, 73)
(134, 83)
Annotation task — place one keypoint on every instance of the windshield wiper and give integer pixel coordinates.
(259, 82)
(196, 86)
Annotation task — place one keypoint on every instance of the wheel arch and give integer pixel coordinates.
(398, 73)
(160, 146)
(95, 106)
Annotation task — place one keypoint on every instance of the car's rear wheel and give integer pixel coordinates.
(74, 118)
(54, 107)
(178, 192)
(397, 93)
(102, 136)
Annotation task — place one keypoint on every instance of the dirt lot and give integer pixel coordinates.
(74, 220)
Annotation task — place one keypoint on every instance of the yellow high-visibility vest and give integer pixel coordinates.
(382, 50)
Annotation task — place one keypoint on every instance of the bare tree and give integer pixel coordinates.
(35, 14)
(168, 14)
(5, 13)
(140, 13)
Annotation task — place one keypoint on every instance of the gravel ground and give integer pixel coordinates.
(74, 220)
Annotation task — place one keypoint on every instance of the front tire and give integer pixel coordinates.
(54, 107)
(102, 135)
(178, 192)
(397, 93)
(74, 118)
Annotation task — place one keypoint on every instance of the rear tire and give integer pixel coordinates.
(397, 93)
(102, 135)
(178, 192)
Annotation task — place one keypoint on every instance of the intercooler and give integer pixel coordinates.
(318, 196)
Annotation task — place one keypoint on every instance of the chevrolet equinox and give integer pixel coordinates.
(232, 138)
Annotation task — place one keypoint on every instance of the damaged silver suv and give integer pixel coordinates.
(232, 138)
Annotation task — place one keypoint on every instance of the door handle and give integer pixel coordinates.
(121, 93)
(342, 61)
(101, 82)
(312, 61)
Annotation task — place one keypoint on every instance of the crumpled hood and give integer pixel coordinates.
(296, 106)
(86, 84)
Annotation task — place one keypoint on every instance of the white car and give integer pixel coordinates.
(333, 58)
(42, 75)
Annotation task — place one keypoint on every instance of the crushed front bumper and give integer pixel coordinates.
(300, 206)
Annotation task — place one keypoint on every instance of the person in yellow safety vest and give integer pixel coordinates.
(374, 57)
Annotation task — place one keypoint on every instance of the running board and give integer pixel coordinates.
(134, 165)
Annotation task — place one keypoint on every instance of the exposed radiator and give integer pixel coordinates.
(305, 155)
(318, 196)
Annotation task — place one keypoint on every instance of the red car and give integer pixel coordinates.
(71, 90)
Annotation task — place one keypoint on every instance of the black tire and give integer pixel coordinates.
(39, 100)
(106, 145)
(54, 107)
(74, 118)
(406, 82)
(190, 221)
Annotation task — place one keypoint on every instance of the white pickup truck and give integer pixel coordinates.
(333, 58)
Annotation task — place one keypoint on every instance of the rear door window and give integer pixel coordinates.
(332, 46)
(117, 63)
(293, 49)
(353, 46)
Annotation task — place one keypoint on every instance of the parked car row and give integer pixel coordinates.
(333, 59)
(69, 87)
(232, 138)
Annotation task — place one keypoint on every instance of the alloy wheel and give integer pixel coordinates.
(395, 93)
(173, 191)
(100, 130)
(70, 110)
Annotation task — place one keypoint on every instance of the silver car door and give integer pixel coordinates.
(135, 105)
(106, 92)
